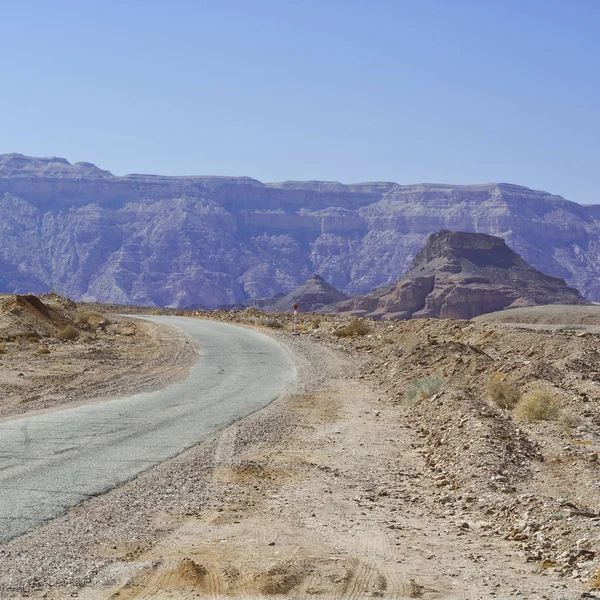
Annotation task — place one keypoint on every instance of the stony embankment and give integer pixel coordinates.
(533, 482)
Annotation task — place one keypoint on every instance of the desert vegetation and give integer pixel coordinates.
(273, 324)
(91, 318)
(538, 404)
(356, 327)
(503, 391)
(68, 333)
(422, 389)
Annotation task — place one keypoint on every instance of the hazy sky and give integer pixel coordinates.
(452, 91)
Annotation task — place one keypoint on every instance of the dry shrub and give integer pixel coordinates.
(90, 317)
(3, 350)
(300, 327)
(421, 389)
(68, 333)
(83, 316)
(355, 327)
(595, 581)
(156, 311)
(503, 391)
(33, 339)
(316, 322)
(43, 351)
(539, 404)
(272, 323)
(568, 420)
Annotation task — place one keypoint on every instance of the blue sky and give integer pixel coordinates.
(452, 91)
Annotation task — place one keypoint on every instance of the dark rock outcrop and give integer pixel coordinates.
(462, 275)
(312, 295)
(209, 241)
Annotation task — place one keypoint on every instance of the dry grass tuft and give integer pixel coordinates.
(43, 351)
(33, 339)
(568, 420)
(595, 581)
(355, 327)
(83, 316)
(316, 322)
(503, 391)
(272, 323)
(3, 350)
(68, 333)
(91, 318)
(422, 389)
(539, 404)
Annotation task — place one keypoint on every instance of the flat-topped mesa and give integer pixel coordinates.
(462, 275)
(457, 251)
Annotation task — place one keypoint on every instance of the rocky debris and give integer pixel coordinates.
(533, 484)
(459, 275)
(313, 295)
(212, 241)
(28, 316)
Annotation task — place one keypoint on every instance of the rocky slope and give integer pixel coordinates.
(461, 275)
(185, 241)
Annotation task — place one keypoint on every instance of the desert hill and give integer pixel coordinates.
(210, 241)
(313, 295)
(462, 275)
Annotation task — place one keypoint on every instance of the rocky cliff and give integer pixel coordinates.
(460, 276)
(186, 241)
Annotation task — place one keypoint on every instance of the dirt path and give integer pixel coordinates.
(323, 494)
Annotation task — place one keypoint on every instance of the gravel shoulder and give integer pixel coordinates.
(329, 492)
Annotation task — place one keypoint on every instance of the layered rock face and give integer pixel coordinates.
(462, 275)
(313, 295)
(209, 241)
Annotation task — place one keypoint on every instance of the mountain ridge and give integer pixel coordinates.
(309, 185)
(179, 241)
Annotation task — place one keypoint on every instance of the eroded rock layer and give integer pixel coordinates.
(462, 275)
(209, 241)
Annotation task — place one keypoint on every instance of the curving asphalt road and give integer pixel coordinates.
(53, 461)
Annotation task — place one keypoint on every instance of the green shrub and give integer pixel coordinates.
(503, 391)
(539, 404)
(421, 389)
(355, 327)
(68, 333)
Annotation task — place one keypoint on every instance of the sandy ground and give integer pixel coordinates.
(326, 493)
(548, 315)
(130, 356)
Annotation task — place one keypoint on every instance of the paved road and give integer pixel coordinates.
(53, 461)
